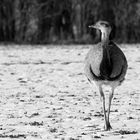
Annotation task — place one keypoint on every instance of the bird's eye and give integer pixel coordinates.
(105, 25)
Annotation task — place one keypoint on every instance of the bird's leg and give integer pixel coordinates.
(103, 101)
(109, 106)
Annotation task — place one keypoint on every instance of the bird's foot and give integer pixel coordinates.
(107, 127)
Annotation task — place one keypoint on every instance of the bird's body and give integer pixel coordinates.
(105, 64)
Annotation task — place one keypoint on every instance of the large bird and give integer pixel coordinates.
(105, 64)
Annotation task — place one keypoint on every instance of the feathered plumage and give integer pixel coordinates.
(105, 63)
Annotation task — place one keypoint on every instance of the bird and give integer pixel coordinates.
(105, 64)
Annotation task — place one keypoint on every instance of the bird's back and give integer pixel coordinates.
(105, 63)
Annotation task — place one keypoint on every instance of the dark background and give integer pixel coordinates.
(66, 21)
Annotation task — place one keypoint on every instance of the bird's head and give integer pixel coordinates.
(105, 28)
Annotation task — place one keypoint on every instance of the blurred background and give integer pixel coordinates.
(66, 21)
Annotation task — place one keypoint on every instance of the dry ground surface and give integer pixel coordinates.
(44, 95)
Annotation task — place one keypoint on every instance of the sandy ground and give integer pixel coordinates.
(44, 95)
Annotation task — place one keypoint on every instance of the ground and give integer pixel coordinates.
(44, 95)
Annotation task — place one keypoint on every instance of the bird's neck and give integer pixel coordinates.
(105, 44)
(105, 38)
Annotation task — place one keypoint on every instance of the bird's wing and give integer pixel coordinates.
(95, 57)
(92, 61)
(119, 62)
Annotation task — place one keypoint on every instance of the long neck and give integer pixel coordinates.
(104, 38)
(105, 44)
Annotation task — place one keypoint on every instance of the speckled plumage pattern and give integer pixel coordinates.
(97, 66)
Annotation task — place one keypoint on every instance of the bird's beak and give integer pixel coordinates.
(93, 26)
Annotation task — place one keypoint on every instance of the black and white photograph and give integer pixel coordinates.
(69, 70)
